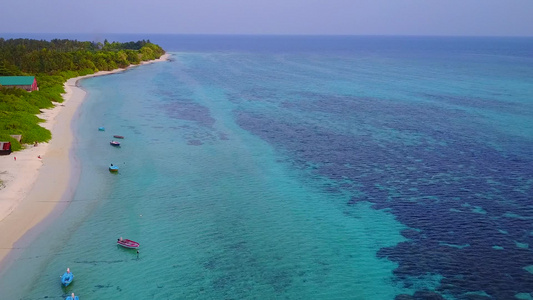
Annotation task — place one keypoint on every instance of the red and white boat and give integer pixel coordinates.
(128, 243)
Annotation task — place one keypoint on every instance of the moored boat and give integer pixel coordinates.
(72, 297)
(118, 136)
(113, 168)
(114, 143)
(127, 243)
(101, 129)
(67, 278)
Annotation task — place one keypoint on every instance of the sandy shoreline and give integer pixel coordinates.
(34, 186)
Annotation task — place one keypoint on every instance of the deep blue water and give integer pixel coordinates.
(303, 168)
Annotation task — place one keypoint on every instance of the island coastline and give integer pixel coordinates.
(41, 179)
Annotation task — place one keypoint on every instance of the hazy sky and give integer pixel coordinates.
(346, 17)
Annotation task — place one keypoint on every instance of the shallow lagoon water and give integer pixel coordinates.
(364, 170)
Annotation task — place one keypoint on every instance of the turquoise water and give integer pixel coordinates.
(366, 169)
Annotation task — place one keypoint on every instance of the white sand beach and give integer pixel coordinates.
(38, 178)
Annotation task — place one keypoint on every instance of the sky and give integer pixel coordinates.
(309, 17)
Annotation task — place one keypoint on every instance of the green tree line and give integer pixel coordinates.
(53, 63)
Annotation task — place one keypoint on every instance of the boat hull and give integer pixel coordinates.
(66, 279)
(128, 244)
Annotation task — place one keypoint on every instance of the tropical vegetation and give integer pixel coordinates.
(52, 63)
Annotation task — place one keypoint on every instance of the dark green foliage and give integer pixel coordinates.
(53, 62)
(15, 145)
(115, 46)
(14, 103)
(43, 98)
(25, 124)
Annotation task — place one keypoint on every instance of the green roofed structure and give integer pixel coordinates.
(28, 83)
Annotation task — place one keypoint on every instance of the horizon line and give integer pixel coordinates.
(271, 34)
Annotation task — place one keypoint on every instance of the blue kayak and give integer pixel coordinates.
(67, 278)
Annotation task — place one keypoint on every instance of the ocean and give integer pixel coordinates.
(300, 167)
